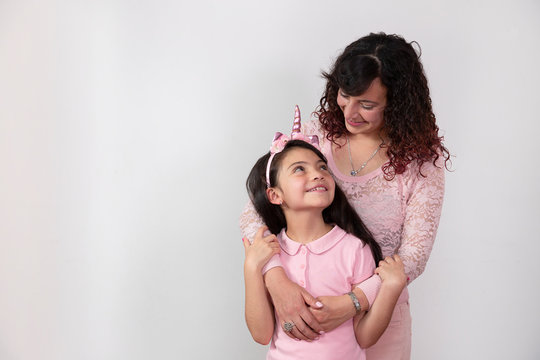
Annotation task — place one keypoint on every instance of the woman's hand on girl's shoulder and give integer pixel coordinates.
(392, 272)
(261, 250)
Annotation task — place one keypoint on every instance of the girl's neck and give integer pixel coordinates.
(306, 227)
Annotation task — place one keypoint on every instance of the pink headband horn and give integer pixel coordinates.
(280, 140)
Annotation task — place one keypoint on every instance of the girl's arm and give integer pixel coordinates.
(369, 328)
(259, 311)
(289, 299)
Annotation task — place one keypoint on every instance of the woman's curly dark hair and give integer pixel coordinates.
(409, 121)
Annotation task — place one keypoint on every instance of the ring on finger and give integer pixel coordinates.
(288, 326)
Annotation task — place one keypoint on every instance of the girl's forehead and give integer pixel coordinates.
(297, 154)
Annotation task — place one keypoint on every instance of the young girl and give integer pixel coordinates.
(320, 249)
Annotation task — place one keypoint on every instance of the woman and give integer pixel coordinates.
(379, 134)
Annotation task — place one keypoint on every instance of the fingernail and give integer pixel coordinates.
(317, 338)
(296, 339)
(408, 278)
(319, 304)
(243, 239)
(321, 332)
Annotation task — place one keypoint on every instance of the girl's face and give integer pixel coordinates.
(364, 113)
(304, 182)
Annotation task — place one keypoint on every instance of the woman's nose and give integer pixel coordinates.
(349, 111)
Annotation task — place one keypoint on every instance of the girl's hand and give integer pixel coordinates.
(261, 250)
(392, 272)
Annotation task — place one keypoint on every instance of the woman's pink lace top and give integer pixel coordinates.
(402, 214)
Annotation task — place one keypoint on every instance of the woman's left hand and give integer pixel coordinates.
(336, 310)
(392, 272)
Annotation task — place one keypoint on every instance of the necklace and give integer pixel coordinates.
(355, 172)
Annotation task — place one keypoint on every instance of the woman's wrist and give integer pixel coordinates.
(348, 310)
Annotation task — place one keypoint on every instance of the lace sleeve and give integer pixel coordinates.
(250, 222)
(422, 214)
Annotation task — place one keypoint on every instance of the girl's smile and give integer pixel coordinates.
(318, 188)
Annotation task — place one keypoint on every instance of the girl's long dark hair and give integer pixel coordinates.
(409, 120)
(340, 212)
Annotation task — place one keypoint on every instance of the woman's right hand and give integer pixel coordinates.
(261, 250)
(291, 303)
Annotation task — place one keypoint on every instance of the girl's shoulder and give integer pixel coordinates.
(351, 240)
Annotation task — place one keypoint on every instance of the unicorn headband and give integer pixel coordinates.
(280, 140)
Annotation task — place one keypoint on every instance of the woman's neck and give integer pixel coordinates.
(306, 227)
(360, 148)
(368, 140)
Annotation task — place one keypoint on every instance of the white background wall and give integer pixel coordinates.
(127, 129)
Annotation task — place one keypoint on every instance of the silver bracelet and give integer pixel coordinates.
(355, 302)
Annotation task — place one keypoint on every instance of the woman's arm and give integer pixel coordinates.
(423, 211)
(369, 328)
(290, 300)
(259, 312)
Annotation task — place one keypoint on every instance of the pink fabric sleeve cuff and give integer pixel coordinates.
(370, 287)
(272, 263)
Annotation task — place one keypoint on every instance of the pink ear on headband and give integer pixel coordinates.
(280, 140)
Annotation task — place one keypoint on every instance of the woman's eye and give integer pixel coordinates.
(367, 107)
(343, 95)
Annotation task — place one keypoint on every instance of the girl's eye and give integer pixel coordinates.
(298, 169)
(324, 167)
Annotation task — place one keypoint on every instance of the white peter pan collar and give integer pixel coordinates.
(318, 246)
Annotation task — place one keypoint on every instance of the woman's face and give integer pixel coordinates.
(364, 114)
